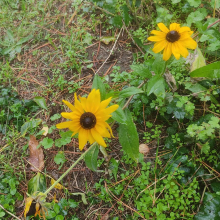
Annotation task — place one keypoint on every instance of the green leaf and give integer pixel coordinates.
(56, 208)
(141, 70)
(159, 65)
(113, 166)
(29, 125)
(194, 3)
(210, 209)
(55, 117)
(129, 92)
(128, 137)
(60, 158)
(126, 16)
(24, 39)
(47, 143)
(117, 21)
(156, 85)
(40, 101)
(91, 158)
(2, 214)
(37, 183)
(196, 16)
(198, 89)
(107, 39)
(199, 61)
(210, 71)
(119, 115)
(83, 197)
(98, 84)
(59, 217)
(175, 1)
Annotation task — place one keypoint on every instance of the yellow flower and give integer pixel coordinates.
(174, 41)
(88, 118)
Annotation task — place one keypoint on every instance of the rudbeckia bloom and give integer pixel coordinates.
(174, 41)
(88, 118)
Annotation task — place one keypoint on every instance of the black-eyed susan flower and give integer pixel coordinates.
(88, 118)
(175, 40)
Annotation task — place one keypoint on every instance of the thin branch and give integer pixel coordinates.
(9, 212)
(110, 52)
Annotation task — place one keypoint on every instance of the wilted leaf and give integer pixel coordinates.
(36, 154)
(107, 39)
(58, 185)
(45, 129)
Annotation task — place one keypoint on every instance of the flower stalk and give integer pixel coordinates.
(70, 168)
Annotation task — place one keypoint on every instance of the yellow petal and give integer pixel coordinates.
(158, 33)
(83, 138)
(163, 27)
(71, 107)
(69, 115)
(98, 137)
(65, 124)
(93, 101)
(174, 27)
(167, 52)
(156, 38)
(189, 43)
(83, 101)
(78, 105)
(91, 139)
(159, 46)
(111, 109)
(183, 51)
(175, 51)
(75, 127)
(184, 29)
(109, 128)
(28, 202)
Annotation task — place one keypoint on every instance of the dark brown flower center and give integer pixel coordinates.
(172, 36)
(88, 120)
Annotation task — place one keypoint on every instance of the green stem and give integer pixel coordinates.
(73, 165)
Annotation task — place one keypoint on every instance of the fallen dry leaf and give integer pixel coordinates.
(144, 149)
(36, 157)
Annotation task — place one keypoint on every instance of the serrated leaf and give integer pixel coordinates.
(156, 85)
(141, 70)
(158, 65)
(210, 209)
(41, 102)
(29, 125)
(194, 3)
(197, 88)
(60, 158)
(199, 61)
(128, 137)
(129, 92)
(107, 39)
(47, 143)
(91, 158)
(119, 115)
(98, 84)
(210, 71)
(37, 183)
